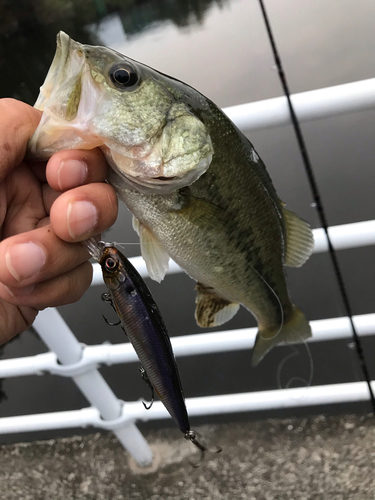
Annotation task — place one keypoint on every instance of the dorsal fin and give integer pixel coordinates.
(299, 239)
(211, 309)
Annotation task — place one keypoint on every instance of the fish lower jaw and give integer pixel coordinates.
(149, 185)
(148, 174)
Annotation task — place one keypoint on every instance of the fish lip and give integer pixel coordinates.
(60, 100)
(66, 50)
(154, 185)
(151, 185)
(65, 47)
(63, 41)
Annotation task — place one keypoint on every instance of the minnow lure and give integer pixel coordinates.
(143, 324)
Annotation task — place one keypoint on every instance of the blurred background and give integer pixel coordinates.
(221, 48)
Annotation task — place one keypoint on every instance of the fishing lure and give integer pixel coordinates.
(143, 324)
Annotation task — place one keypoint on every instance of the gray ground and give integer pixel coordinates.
(311, 458)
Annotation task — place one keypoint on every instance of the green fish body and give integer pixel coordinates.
(197, 189)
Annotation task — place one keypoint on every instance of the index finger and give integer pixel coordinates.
(17, 124)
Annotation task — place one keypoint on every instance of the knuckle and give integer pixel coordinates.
(72, 285)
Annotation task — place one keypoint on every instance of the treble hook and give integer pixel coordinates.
(107, 298)
(111, 324)
(145, 378)
(192, 436)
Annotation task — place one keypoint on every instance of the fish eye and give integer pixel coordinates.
(110, 264)
(123, 76)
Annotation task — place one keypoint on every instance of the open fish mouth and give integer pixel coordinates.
(150, 137)
(67, 63)
(67, 99)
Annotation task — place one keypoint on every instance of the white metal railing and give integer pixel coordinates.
(209, 405)
(69, 352)
(330, 101)
(67, 357)
(185, 345)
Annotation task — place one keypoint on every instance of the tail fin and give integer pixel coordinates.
(293, 331)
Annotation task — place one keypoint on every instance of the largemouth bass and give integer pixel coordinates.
(197, 189)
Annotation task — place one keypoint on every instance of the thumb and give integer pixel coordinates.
(18, 122)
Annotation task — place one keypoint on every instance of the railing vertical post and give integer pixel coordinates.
(59, 338)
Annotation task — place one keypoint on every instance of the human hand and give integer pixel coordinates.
(41, 262)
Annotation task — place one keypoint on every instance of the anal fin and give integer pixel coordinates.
(212, 310)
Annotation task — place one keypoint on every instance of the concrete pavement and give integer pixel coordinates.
(301, 459)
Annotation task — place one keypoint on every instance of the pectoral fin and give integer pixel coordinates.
(299, 239)
(295, 330)
(211, 309)
(153, 252)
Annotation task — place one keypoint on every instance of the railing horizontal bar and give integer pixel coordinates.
(49, 421)
(186, 345)
(344, 236)
(209, 405)
(311, 105)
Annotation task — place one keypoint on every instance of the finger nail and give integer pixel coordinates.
(24, 260)
(71, 173)
(82, 218)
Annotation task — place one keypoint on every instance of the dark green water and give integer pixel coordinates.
(28, 31)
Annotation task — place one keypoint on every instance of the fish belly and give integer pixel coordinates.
(220, 251)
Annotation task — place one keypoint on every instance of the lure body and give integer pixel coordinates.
(142, 322)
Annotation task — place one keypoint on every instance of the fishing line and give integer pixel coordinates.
(293, 379)
(318, 202)
(123, 245)
(280, 305)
